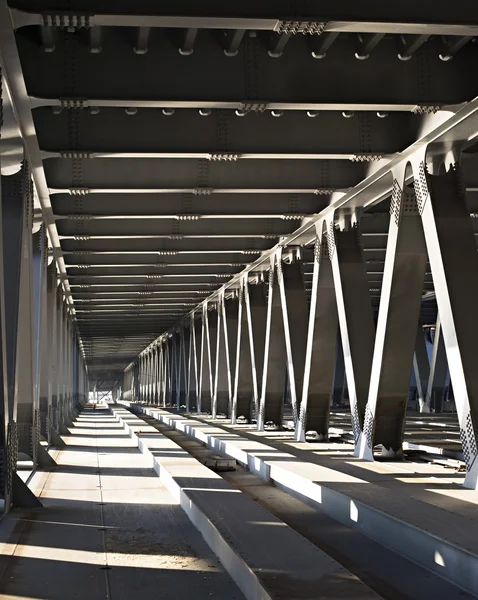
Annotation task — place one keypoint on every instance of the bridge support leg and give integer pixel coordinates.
(354, 310)
(256, 307)
(339, 375)
(182, 372)
(453, 260)
(399, 313)
(225, 358)
(208, 332)
(193, 365)
(321, 348)
(438, 371)
(295, 312)
(243, 393)
(273, 376)
(421, 369)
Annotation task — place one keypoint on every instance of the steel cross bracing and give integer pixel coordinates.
(453, 131)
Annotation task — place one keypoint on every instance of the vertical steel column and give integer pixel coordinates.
(8, 440)
(81, 389)
(174, 370)
(421, 368)
(57, 411)
(321, 347)
(13, 201)
(164, 374)
(453, 260)
(179, 368)
(399, 313)
(141, 378)
(24, 372)
(137, 376)
(49, 350)
(185, 341)
(42, 327)
(339, 374)
(205, 368)
(225, 358)
(12, 231)
(149, 364)
(64, 407)
(159, 373)
(66, 376)
(145, 377)
(295, 313)
(243, 392)
(217, 354)
(69, 363)
(150, 375)
(230, 330)
(256, 306)
(213, 336)
(126, 380)
(182, 372)
(438, 372)
(194, 373)
(156, 375)
(53, 351)
(167, 372)
(354, 309)
(275, 356)
(136, 381)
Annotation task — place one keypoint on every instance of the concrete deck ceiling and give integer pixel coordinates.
(178, 147)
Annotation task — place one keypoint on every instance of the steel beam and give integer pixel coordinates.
(253, 78)
(172, 105)
(180, 176)
(188, 135)
(406, 19)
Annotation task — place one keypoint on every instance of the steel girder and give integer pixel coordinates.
(223, 135)
(260, 14)
(251, 78)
